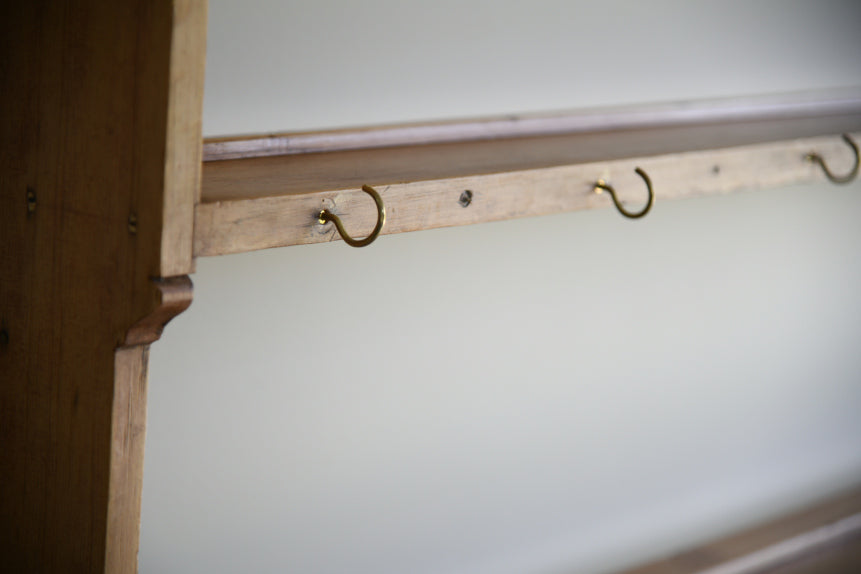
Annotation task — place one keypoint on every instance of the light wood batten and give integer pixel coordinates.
(265, 220)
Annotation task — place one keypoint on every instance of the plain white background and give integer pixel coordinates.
(572, 393)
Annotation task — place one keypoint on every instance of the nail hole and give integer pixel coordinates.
(465, 198)
(4, 337)
(716, 169)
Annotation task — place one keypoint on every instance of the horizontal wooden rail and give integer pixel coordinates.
(718, 111)
(239, 225)
(262, 202)
(824, 538)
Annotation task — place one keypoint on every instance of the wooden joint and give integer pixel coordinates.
(172, 296)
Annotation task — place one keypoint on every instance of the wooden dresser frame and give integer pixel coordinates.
(103, 214)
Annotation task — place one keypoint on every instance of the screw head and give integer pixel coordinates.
(465, 198)
(31, 200)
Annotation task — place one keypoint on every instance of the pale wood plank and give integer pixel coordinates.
(128, 433)
(291, 219)
(184, 145)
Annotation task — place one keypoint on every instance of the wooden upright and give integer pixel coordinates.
(100, 145)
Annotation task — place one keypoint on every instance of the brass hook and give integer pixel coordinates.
(816, 158)
(327, 215)
(601, 185)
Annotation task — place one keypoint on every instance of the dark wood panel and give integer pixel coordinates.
(89, 162)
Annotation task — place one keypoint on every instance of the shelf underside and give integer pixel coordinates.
(261, 202)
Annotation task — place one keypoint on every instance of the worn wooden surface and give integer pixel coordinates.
(303, 173)
(183, 153)
(97, 181)
(768, 115)
(171, 297)
(818, 546)
(128, 431)
(279, 219)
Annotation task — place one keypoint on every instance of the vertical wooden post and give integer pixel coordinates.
(99, 174)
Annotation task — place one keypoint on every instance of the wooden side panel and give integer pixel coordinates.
(87, 146)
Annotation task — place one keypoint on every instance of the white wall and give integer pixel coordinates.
(573, 393)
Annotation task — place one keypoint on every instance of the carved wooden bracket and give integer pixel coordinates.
(173, 296)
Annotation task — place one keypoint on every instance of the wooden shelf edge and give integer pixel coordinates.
(823, 537)
(798, 105)
(235, 226)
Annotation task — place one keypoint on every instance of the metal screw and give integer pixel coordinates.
(465, 198)
(31, 200)
(133, 224)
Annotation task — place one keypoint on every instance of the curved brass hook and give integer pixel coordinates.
(327, 215)
(816, 158)
(601, 185)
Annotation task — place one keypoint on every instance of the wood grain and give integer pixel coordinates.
(234, 226)
(94, 174)
(172, 296)
(302, 173)
(781, 109)
(827, 549)
(128, 433)
(182, 169)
